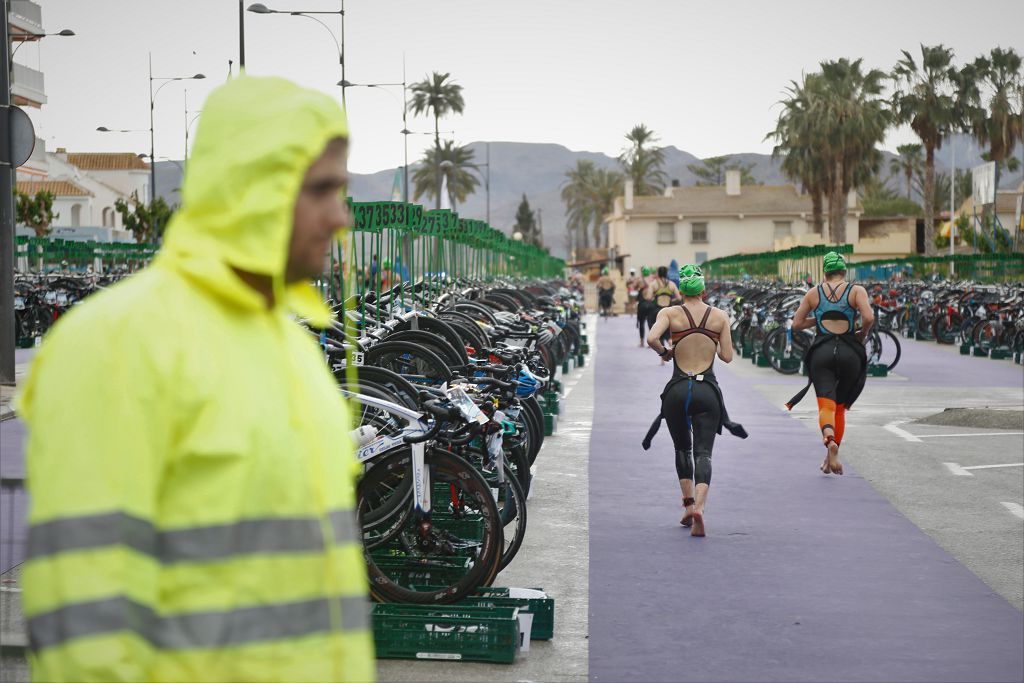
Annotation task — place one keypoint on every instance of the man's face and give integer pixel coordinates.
(320, 211)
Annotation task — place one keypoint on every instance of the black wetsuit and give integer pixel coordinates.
(836, 363)
(694, 409)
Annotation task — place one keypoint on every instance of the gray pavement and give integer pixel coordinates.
(803, 576)
(554, 556)
(904, 458)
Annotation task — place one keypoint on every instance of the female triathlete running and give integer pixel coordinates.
(692, 401)
(663, 293)
(835, 361)
(644, 303)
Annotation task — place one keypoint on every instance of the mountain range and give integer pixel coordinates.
(538, 171)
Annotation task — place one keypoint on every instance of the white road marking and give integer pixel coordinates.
(988, 467)
(903, 434)
(565, 393)
(957, 470)
(1015, 509)
(943, 436)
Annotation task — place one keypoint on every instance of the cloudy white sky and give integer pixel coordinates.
(705, 75)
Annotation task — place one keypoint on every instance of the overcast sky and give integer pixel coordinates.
(705, 75)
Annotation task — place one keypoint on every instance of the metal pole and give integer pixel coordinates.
(405, 137)
(487, 183)
(952, 204)
(6, 218)
(152, 142)
(343, 104)
(241, 37)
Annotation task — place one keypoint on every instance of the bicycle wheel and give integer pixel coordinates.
(774, 349)
(436, 559)
(882, 348)
(410, 360)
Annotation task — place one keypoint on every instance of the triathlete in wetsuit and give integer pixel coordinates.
(692, 401)
(644, 303)
(835, 361)
(605, 292)
(664, 293)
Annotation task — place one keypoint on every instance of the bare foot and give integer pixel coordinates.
(698, 524)
(832, 463)
(640, 345)
(687, 519)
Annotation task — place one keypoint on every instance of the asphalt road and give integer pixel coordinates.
(900, 570)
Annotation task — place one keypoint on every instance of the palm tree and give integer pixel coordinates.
(854, 119)
(574, 193)
(999, 121)
(642, 162)
(437, 96)
(451, 162)
(925, 98)
(605, 186)
(799, 139)
(908, 163)
(589, 193)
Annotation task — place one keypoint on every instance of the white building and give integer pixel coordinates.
(85, 198)
(697, 224)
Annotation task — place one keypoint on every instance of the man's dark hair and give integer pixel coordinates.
(663, 272)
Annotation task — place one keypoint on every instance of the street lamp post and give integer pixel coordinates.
(7, 340)
(405, 131)
(152, 136)
(260, 8)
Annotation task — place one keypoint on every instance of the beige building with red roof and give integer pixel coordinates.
(697, 224)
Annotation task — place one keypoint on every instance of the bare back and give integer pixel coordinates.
(695, 352)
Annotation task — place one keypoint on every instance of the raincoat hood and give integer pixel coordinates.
(256, 139)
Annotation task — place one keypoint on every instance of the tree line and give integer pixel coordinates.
(832, 121)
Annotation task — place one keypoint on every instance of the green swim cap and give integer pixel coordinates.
(645, 271)
(833, 262)
(386, 265)
(691, 280)
(604, 271)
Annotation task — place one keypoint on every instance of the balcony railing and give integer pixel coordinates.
(28, 83)
(27, 16)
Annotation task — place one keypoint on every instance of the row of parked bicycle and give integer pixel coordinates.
(988, 318)
(41, 298)
(448, 384)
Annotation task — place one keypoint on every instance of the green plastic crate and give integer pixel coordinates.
(965, 349)
(579, 359)
(790, 363)
(878, 370)
(999, 353)
(542, 609)
(408, 573)
(449, 632)
(761, 361)
(550, 424)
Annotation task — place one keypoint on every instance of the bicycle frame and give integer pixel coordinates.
(417, 427)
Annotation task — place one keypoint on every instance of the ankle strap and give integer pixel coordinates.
(687, 502)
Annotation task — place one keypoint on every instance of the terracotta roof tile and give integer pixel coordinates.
(107, 161)
(60, 188)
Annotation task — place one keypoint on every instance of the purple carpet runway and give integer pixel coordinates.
(802, 577)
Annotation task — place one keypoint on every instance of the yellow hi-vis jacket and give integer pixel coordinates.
(189, 464)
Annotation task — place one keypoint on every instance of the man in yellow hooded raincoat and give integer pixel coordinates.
(190, 469)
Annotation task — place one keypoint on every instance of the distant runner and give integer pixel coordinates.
(605, 292)
(836, 361)
(663, 293)
(633, 286)
(643, 305)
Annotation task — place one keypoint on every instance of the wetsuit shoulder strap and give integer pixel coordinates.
(704, 320)
(688, 316)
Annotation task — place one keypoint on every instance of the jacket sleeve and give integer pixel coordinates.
(98, 439)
